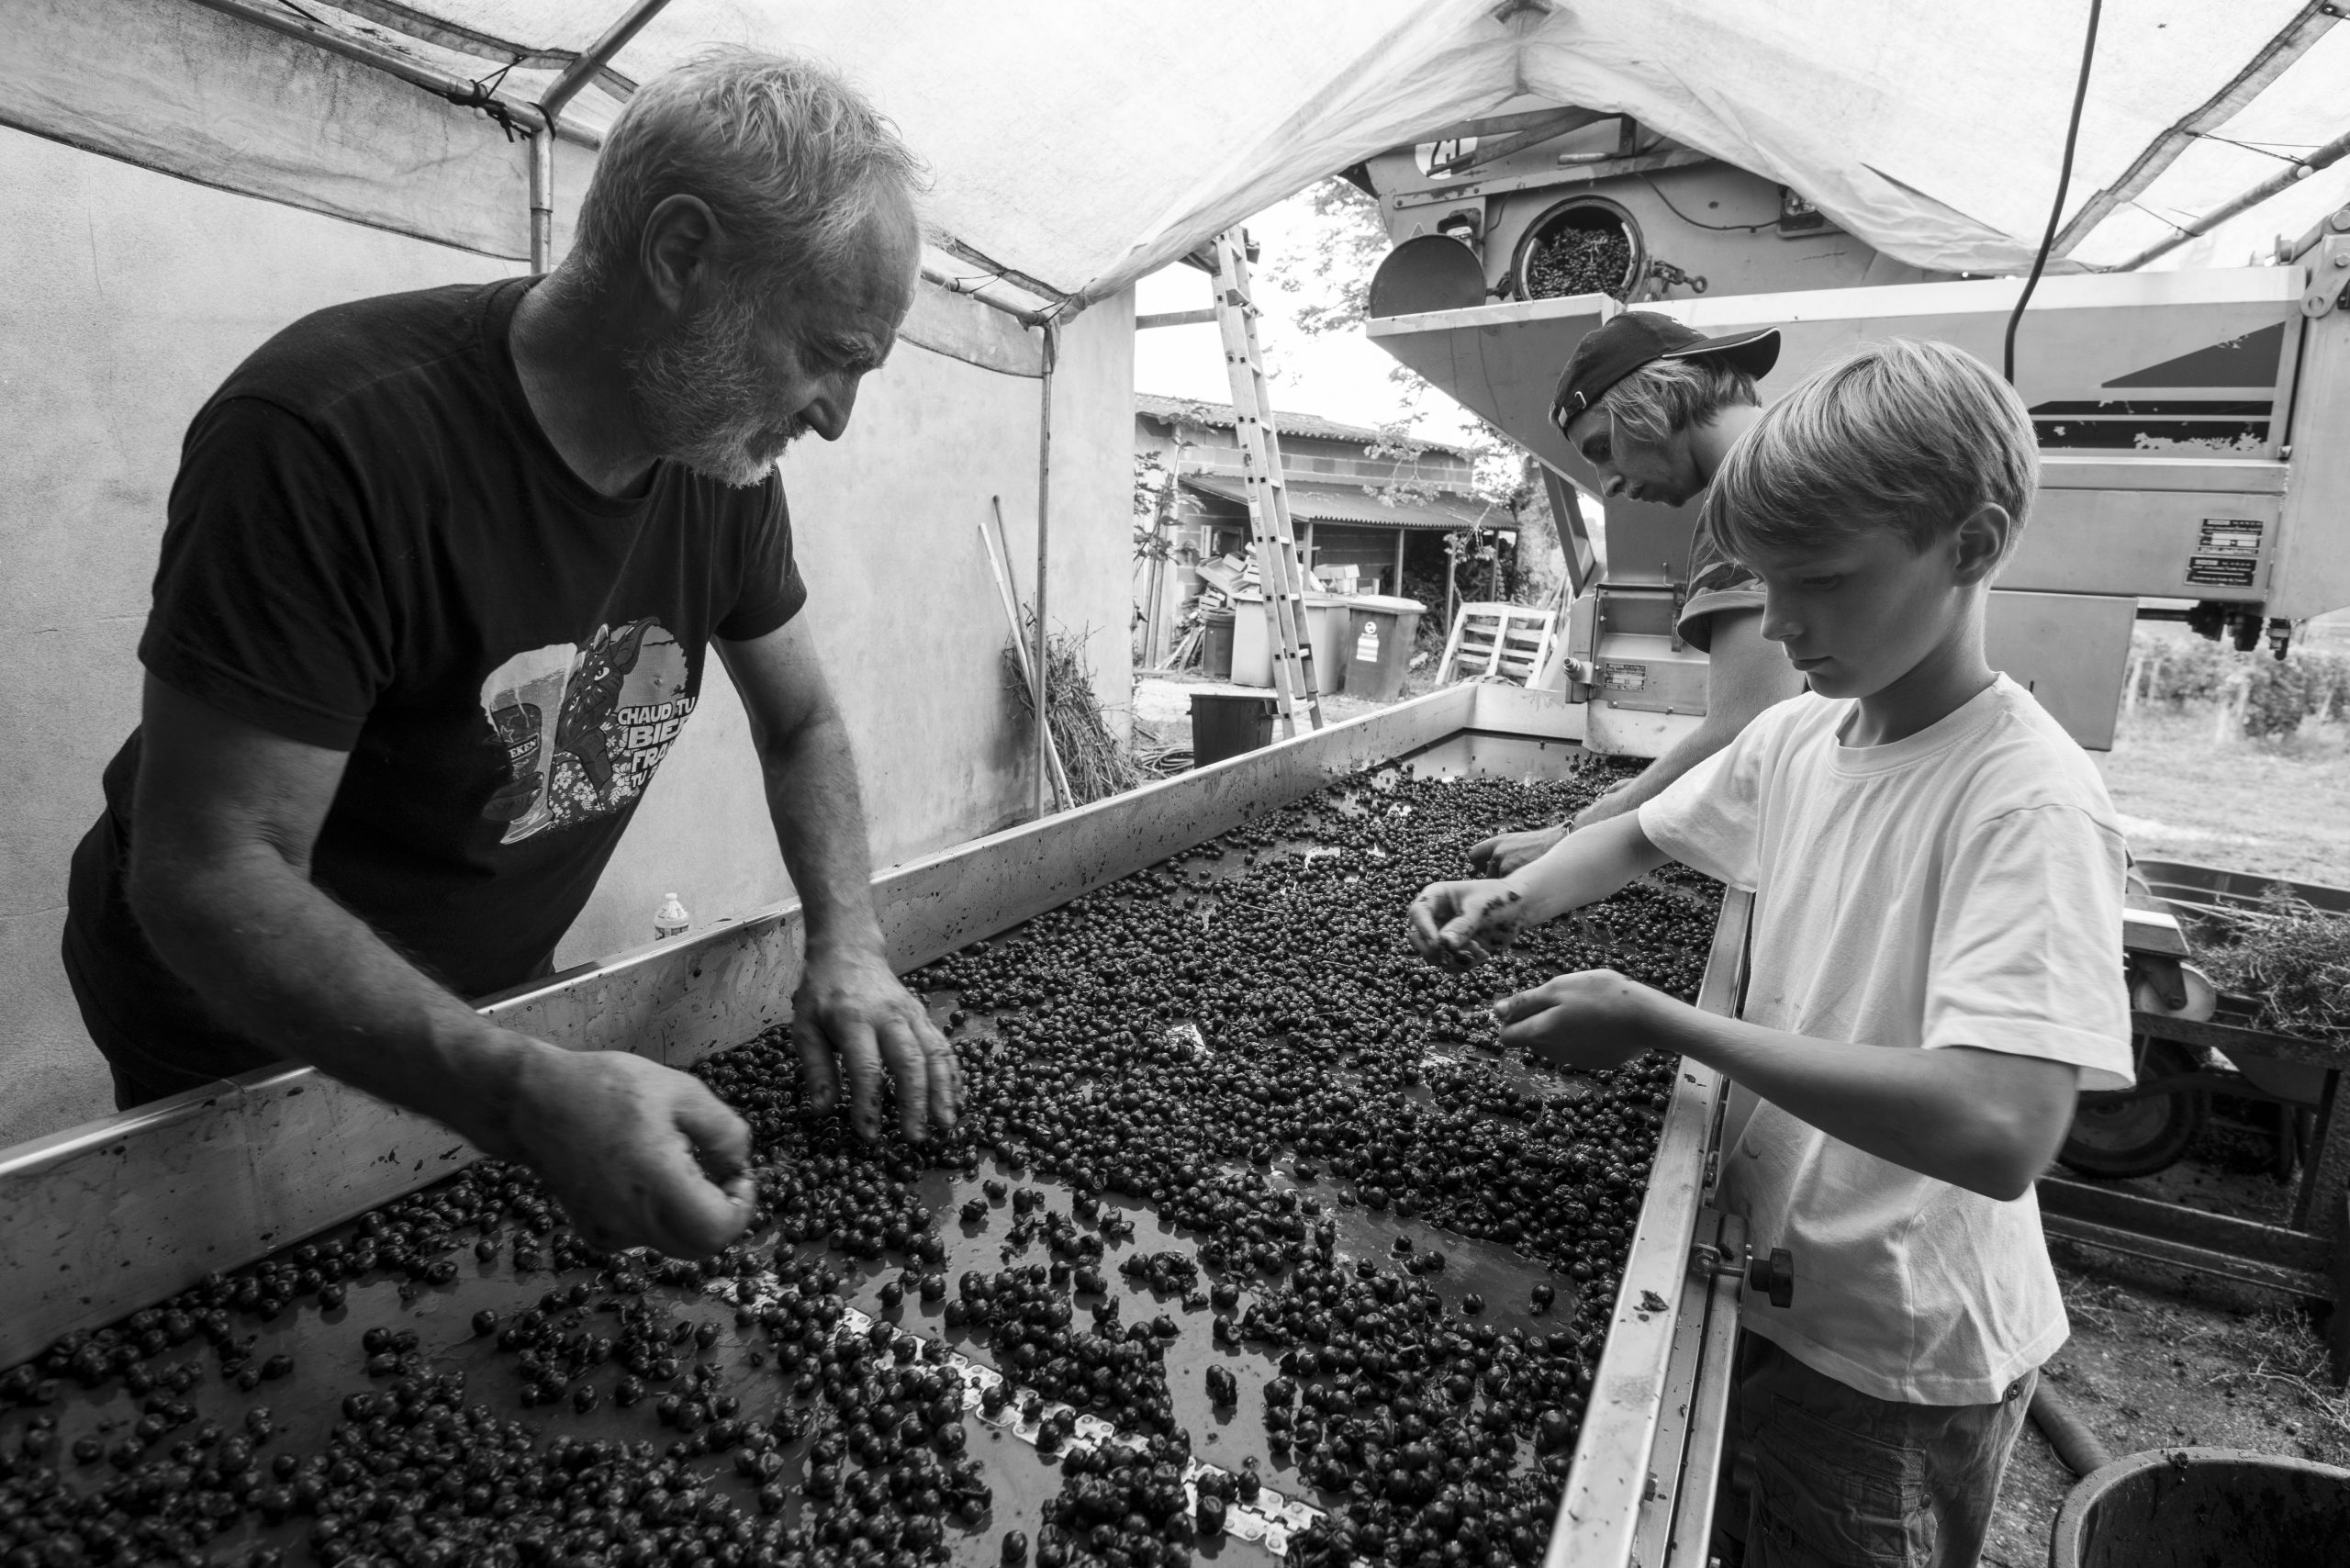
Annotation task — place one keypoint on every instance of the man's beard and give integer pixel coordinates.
(703, 398)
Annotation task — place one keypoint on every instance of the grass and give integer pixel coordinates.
(2276, 809)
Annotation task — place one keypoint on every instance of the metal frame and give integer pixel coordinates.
(100, 1219)
(1654, 1432)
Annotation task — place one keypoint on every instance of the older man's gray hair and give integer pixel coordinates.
(790, 159)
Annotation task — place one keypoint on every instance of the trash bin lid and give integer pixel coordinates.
(1316, 600)
(1388, 602)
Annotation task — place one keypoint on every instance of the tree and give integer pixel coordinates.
(1332, 278)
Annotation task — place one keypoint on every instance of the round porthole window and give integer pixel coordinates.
(1584, 245)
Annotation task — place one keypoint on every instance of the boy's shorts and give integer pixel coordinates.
(1841, 1478)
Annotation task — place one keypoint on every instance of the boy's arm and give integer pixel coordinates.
(1985, 1120)
(1462, 922)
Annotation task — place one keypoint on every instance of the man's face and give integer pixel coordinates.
(1665, 475)
(1860, 613)
(746, 375)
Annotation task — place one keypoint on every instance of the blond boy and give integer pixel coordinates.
(1936, 960)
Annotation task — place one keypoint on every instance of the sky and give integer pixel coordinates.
(1339, 376)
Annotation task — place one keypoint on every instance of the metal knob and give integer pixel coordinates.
(1774, 1276)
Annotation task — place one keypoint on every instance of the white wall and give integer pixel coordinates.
(130, 295)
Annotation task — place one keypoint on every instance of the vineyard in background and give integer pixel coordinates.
(2251, 694)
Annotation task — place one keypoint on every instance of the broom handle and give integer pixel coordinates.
(998, 553)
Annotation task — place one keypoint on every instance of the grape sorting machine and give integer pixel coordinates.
(101, 1220)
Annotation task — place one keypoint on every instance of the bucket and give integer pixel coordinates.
(1229, 723)
(1215, 657)
(2207, 1509)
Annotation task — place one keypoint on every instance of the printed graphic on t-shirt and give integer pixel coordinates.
(584, 729)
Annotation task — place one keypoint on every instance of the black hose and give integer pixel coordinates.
(2063, 183)
(2065, 1431)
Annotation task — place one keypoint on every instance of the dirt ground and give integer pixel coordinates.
(2165, 1359)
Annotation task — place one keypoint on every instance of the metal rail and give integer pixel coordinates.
(1617, 1461)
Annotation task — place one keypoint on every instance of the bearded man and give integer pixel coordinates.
(439, 578)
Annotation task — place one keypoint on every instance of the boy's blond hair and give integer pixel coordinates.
(1901, 434)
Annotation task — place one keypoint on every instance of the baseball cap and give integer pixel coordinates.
(1625, 342)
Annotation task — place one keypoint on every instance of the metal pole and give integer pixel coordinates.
(1043, 556)
(2325, 157)
(543, 200)
(440, 83)
(576, 76)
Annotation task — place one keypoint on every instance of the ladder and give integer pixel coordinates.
(1281, 574)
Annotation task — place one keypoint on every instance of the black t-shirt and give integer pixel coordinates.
(373, 547)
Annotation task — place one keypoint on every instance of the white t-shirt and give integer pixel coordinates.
(1962, 887)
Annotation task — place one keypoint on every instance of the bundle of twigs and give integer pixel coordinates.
(1097, 766)
(2291, 958)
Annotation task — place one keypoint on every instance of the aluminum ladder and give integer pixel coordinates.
(1281, 573)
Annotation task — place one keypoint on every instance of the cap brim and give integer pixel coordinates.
(1754, 353)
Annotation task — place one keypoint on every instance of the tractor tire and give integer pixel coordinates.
(2114, 1136)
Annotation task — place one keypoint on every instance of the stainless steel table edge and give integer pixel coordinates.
(1619, 1472)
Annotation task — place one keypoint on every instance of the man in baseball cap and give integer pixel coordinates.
(1654, 407)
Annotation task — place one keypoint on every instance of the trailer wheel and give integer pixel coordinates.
(2114, 1134)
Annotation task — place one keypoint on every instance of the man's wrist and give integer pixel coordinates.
(850, 939)
(491, 1090)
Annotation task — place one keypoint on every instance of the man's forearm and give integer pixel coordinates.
(1583, 868)
(819, 813)
(277, 959)
(1979, 1119)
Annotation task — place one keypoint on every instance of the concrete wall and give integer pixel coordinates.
(131, 294)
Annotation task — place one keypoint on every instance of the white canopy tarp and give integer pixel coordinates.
(1082, 143)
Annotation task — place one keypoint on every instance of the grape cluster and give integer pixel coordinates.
(1579, 261)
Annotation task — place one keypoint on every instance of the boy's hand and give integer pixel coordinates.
(1461, 924)
(1590, 1021)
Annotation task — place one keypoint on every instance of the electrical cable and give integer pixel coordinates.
(2063, 183)
(1694, 223)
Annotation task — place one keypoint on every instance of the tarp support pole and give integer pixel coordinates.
(2302, 169)
(565, 87)
(580, 72)
(542, 201)
(1044, 536)
(439, 83)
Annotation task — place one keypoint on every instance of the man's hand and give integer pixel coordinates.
(1591, 1020)
(1506, 852)
(852, 1015)
(639, 1155)
(1459, 925)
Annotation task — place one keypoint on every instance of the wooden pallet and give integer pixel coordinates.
(1501, 641)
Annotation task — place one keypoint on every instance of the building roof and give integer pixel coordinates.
(1326, 501)
(1314, 427)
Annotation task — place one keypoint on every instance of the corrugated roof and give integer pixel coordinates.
(1193, 411)
(1328, 502)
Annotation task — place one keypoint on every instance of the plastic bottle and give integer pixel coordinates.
(670, 919)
